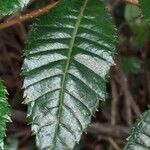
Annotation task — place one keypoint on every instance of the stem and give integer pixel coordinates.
(113, 143)
(125, 87)
(114, 102)
(26, 17)
(134, 2)
(39, 12)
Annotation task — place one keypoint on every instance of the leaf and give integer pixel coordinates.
(4, 113)
(68, 55)
(10, 6)
(140, 134)
(132, 64)
(132, 12)
(12, 144)
(144, 5)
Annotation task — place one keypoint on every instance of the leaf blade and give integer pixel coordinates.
(4, 113)
(64, 50)
(140, 134)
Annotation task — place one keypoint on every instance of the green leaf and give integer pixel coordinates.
(4, 113)
(11, 144)
(144, 5)
(8, 7)
(68, 55)
(131, 64)
(140, 134)
(132, 12)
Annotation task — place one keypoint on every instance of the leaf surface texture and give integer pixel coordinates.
(4, 113)
(140, 134)
(68, 54)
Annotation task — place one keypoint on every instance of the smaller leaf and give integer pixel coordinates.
(138, 26)
(132, 12)
(4, 113)
(132, 64)
(140, 134)
(12, 144)
(145, 7)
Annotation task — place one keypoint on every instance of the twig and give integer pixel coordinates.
(29, 16)
(114, 102)
(114, 144)
(124, 85)
(40, 12)
(118, 132)
(134, 2)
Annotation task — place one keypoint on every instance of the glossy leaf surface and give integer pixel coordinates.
(4, 113)
(68, 55)
(140, 134)
(10, 6)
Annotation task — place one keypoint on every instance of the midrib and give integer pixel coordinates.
(61, 95)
